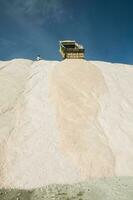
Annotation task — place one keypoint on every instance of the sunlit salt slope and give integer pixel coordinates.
(64, 122)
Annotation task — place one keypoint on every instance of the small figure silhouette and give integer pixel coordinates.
(38, 58)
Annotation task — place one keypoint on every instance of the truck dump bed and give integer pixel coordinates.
(71, 50)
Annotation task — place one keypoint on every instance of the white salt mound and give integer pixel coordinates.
(64, 122)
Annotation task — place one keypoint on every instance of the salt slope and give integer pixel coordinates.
(29, 134)
(64, 122)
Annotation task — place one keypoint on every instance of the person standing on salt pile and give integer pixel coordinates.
(38, 58)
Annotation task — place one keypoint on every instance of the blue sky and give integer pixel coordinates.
(31, 27)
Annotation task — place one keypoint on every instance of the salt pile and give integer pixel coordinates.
(64, 122)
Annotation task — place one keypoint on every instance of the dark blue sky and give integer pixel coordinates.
(31, 27)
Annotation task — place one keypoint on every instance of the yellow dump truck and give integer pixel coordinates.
(71, 49)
